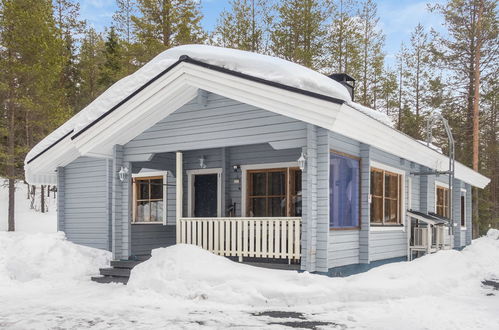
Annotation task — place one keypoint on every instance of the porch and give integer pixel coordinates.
(245, 208)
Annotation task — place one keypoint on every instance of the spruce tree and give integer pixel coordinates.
(112, 68)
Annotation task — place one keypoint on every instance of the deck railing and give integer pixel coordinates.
(277, 238)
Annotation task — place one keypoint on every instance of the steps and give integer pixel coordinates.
(119, 272)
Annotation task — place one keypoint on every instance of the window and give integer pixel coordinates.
(463, 209)
(148, 195)
(386, 197)
(344, 183)
(442, 201)
(274, 192)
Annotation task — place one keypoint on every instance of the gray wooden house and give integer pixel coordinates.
(251, 168)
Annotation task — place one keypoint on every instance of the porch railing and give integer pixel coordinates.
(277, 238)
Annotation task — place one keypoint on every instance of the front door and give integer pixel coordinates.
(205, 195)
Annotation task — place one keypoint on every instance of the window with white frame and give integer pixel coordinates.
(149, 198)
(386, 197)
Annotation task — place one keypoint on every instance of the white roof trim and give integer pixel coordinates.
(180, 85)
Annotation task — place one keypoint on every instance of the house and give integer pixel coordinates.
(254, 158)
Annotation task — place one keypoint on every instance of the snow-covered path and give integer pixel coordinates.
(44, 284)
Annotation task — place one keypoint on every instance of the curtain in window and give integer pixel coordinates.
(343, 192)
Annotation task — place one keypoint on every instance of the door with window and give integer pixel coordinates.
(275, 192)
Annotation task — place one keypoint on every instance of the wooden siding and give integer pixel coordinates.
(388, 243)
(61, 198)
(146, 237)
(85, 194)
(220, 123)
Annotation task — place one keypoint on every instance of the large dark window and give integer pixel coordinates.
(344, 183)
(274, 192)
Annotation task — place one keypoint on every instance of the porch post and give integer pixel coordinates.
(116, 204)
(179, 193)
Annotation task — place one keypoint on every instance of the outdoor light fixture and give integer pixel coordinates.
(301, 161)
(123, 173)
(202, 162)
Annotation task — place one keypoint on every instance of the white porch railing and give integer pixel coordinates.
(277, 238)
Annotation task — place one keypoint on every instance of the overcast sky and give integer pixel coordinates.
(397, 18)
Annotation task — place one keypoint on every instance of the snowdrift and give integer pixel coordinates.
(50, 257)
(189, 272)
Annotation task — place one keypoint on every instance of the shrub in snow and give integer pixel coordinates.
(26, 257)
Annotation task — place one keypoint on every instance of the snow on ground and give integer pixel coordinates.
(184, 287)
(27, 219)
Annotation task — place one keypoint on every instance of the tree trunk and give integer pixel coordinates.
(12, 191)
(42, 199)
(476, 113)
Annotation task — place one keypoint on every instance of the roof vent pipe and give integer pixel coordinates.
(345, 80)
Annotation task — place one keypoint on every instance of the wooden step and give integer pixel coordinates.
(124, 263)
(110, 279)
(121, 272)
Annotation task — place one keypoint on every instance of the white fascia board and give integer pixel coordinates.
(358, 126)
(134, 103)
(42, 169)
(121, 129)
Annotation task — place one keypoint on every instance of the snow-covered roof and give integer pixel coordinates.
(268, 82)
(257, 65)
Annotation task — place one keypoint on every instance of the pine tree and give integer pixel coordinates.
(122, 19)
(244, 27)
(90, 63)
(163, 24)
(388, 92)
(343, 41)
(299, 33)
(31, 65)
(371, 53)
(66, 15)
(470, 54)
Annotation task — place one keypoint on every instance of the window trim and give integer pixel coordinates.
(190, 188)
(402, 173)
(244, 178)
(444, 185)
(463, 194)
(339, 153)
(145, 175)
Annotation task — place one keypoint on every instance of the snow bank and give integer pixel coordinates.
(493, 234)
(189, 272)
(262, 66)
(27, 257)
